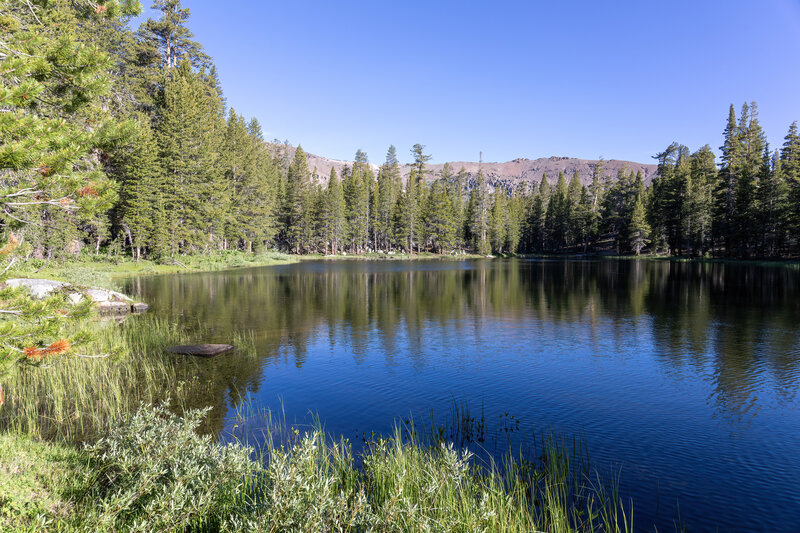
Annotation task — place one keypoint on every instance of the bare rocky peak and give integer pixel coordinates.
(511, 173)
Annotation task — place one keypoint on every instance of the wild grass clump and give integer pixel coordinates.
(77, 398)
(401, 483)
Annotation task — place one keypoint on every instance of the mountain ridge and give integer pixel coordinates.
(509, 174)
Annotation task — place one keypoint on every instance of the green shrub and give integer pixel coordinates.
(305, 486)
(154, 473)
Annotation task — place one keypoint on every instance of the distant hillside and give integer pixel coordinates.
(510, 173)
(531, 170)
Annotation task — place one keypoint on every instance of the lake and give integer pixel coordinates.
(680, 377)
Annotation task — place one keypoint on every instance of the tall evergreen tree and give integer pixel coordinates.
(142, 214)
(298, 207)
(725, 203)
(790, 167)
(170, 36)
(189, 133)
(480, 211)
(498, 218)
(772, 205)
(557, 217)
(357, 185)
(639, 230)
(700, 201)
(334, 213)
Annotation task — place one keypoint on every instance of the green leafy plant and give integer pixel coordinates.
(154, 473)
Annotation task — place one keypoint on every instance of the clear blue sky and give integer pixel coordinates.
(512, 79)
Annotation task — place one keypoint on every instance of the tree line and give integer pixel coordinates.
(180, 172)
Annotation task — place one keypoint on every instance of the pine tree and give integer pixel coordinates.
(334, 213)
(54, 128)
(480, 211)
(388, 189)
(170, 36)
(459, 206)
(557, 216)
(439, 218)
(357, 185)
(752, 143)
(701, 199)
(415, 196)
(189, 135)
(638, 230)
(515, 214)
(538, 217)
(575, 218)
(667, 205)
(725, 203)
(497, 221)
(142, 213)
(237, 159)
(790, 166)
(772, 205)
(298, 212)
(596, 192)
(259, 214)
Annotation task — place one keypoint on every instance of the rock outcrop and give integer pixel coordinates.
(106, 300)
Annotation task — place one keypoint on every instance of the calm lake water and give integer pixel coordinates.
(681, 377)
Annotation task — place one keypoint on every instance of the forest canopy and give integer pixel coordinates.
(120, 141)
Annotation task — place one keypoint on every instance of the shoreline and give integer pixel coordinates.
(104, 272)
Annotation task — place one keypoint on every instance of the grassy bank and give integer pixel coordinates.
(152, 472)
(104, 271)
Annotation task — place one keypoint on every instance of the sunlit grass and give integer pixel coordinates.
(106, 271)
(77, 397)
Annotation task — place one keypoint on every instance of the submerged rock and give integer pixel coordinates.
(202, 350)
(114, 307)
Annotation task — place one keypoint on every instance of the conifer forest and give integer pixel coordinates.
(121, 140)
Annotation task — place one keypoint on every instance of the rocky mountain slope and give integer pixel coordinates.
(510, 173)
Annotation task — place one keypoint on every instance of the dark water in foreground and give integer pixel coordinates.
(682, 377)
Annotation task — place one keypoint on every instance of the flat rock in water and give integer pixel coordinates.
(203, 350)
(113, 307)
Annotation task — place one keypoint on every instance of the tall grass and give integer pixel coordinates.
(417, 480)
(78, 398)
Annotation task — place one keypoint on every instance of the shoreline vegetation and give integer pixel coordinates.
(105, 272)
(50, 413)
(153, 471)
(55, 473)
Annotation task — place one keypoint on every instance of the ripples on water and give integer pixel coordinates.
(683, 376)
